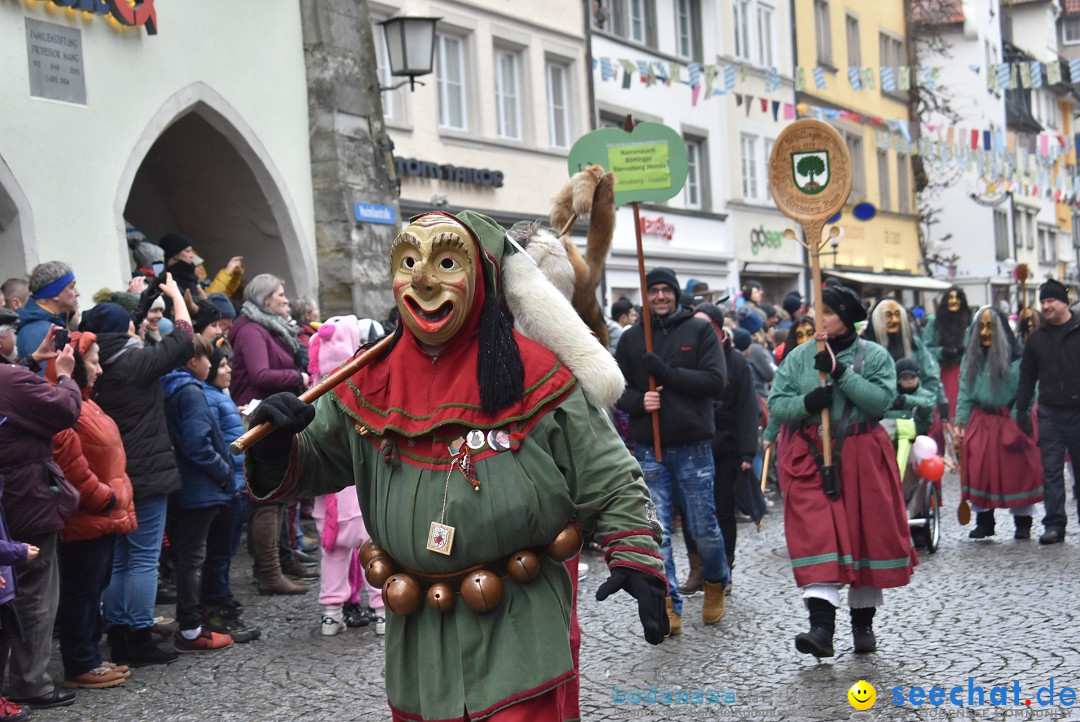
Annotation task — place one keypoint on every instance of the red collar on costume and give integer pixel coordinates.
(409, 393)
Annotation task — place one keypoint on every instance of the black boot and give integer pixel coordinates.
(1023, 527)
(117, 639)
(862, 630)
(984, 525)
(818, 641)
(142, 651)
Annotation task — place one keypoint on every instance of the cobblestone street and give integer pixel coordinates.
(997, 611)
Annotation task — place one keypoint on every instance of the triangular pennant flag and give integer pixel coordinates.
(789, 111)
(800, 79)
(888, 79)
(1003, 75)
(738, 99)
(904, 82)
(1013, 73)
(729, 77)
(694, 71)
(991, 79)
(819, 78)
(854, 78)
(764, 105)
(749, 100)
(743, 73)
(775, 110)
(1053, 72)
(867, 78)
(710, 75)
(1036, 74)
(1025, 75)
(628, 73)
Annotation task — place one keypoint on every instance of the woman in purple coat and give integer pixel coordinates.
(267, 358)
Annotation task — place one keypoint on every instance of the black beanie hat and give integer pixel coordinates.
(106, 318)
(792, 303)
(908, 366)
(206, 315)
(662, 275)
(1054, 289)
(712, 311)
(846, 303)
(222, 350)
(740, 338)
(174, 243)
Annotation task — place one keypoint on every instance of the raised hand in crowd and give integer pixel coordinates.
(65, 362)
(137, 284)
(236, 263)
(172, 292)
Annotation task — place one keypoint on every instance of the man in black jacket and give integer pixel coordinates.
(688, 365)
(1052, 358)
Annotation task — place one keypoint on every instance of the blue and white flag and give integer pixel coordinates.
(819, 78)
(695, 75)
(1003, 75)
(888, 79)
(1036, 74)
(854, 77)
(772, 80)
(607, 70)
(729, 77)
(1074, 70)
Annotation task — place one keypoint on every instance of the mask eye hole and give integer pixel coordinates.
(408, 262)
(449, 264)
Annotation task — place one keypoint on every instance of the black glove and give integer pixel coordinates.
(656, 367)
(900, 401)
(943, 412)
(649, 591)
(289, 415)
(823, 362)
(818, 399)
(1024, 422)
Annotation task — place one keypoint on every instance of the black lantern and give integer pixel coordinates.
(410, 43)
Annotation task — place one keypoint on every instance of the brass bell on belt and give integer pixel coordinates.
(523, 566)
(401, 594)
(378, 570)
(482, 591)
(368, 551)
(566, 543)
(440, 597)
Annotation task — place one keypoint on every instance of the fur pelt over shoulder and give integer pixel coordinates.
(588, 193)
(543, 313)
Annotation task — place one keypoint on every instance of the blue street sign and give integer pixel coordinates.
(375, 213)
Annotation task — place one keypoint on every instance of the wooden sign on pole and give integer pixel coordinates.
(810, 180)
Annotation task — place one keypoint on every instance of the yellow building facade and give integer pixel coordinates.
(835, 35)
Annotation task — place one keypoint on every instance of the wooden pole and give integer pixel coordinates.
(253, 435)
(646, 322)
(813, 242)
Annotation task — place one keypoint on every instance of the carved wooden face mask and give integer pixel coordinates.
(953, 302)
(986, 328)
(434, 262)
(894, 314)
(803, 333)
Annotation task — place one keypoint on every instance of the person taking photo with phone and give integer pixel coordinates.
(54, 299)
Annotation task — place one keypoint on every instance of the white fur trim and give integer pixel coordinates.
(549, 252)
(543, 314)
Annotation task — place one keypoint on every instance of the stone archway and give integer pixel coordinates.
(198, 169)
(18, 251)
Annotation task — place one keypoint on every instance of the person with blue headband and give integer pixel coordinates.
(54, 300)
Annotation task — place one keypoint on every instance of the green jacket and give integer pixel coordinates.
(571, 464)
(871, 391)
(918, 406)
(980, 394)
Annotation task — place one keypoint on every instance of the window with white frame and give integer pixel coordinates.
(1047, 243)
(558, 96)
(694, 190)
(884, 181)
(891, 54)
(903, 183)
(1070, 30)
(822, 32)
(687, 29)
(743, 11)
(749, 147)
(854, 46)
(450, 78)
(854, 143)
(394, 101)
(631, 19)
(765, 55)
(508, 94)
(1001, 235)
(1029, 232)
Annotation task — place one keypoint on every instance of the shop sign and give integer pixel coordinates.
(761, 238)
(657, 227)
(375, 213)
(413, 168)
(55, 61)
(141, 14)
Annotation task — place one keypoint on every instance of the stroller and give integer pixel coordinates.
(922, 496)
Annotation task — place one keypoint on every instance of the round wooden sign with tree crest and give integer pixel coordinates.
(810, 171)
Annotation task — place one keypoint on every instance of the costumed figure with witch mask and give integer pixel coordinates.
(856, 535)
(1000, 466)
(890, 326)
(944, 336)
(477, 459)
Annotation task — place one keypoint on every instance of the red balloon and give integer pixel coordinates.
(932, 468)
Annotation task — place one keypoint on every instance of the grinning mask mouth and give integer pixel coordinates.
(434, 263)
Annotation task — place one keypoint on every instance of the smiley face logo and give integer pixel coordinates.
(862, 695)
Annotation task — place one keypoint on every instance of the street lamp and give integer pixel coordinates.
(410, 43)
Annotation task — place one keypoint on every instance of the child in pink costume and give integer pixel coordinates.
(337, 516)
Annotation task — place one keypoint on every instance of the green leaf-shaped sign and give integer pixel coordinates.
(649, 163)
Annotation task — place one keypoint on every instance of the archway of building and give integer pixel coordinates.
(18, 252)
(199, 170)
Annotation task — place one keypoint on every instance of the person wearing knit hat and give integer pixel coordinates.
(740, 337)
(180, 261)
(793, 304)
(107, 318)
(687, 365)
(753, 296)
(749, 320)
(912, 401)
(206, 318)
(1052, 360)
(487, 414)
(833, 538)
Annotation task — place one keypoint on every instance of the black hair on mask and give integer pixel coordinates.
(499, 371)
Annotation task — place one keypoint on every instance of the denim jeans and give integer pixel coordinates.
(129, 598)
(1059, 431)
(687, 470)
(727, 470)
(221, 546)
(84, 574)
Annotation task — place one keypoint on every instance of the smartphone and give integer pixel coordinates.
(158, 267)
(60, 339)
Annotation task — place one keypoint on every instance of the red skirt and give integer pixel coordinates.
(861, 538)
(950, 380)
(1000, 465)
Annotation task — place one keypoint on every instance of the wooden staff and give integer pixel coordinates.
(813, 149)
(253, 435)
(765, 469)
(1022, 276)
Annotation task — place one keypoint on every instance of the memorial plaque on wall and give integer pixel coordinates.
(54, 56)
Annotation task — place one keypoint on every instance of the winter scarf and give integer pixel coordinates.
(278, 327)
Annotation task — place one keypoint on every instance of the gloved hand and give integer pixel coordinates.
(1024, 422)
(943, 412)
(824, 362)
(818, 399)
(649, 591)
(900, 401)
(289, 415)
(656, 366)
